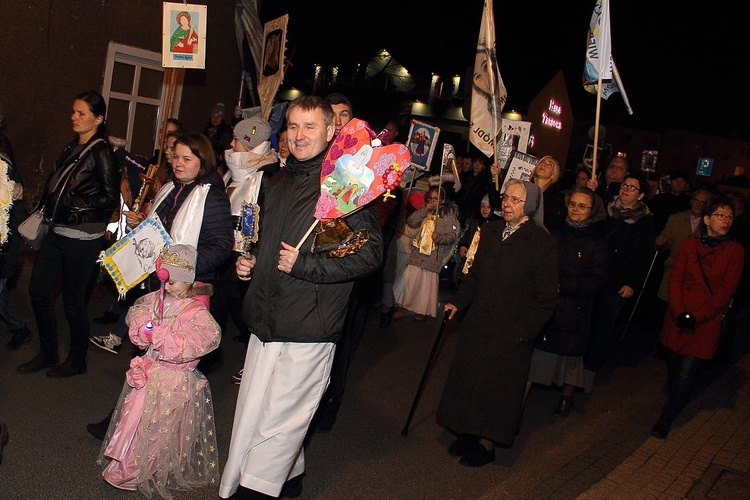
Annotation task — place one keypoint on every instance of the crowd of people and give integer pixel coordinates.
(556, 263)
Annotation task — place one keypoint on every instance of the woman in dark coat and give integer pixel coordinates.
(512, 288)
(702, 282)
(583, 267)
(629, 233)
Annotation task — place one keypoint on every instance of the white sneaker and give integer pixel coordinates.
(110, 342)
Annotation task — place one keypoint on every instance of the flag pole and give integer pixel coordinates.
(596, 127)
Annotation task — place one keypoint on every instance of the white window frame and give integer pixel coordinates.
(140, 58)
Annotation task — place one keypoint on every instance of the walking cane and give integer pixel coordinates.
(638, 299)
(446, 315)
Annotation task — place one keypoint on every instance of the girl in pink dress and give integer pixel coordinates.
(162, 435)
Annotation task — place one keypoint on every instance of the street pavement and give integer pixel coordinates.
(602, 450)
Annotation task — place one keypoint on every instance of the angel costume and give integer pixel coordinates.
(162, 435)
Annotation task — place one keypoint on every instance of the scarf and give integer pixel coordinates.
(628, 215)
(711, 241)
(578, 224)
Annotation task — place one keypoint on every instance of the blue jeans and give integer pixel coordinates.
(7, 311)
(73, 263)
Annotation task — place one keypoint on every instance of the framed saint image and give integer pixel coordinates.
(520, 167)
(183, 36)
(422, 143)
(514, 135)
(648, 160)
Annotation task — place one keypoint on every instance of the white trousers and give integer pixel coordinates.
(282, 385)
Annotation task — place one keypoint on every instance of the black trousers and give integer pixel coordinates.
(681, 372)
(70, 263)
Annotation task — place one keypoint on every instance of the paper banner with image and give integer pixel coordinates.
(133, 257)
(521, 167)
(183, 36)
(514, 136)
(271, 73)
(354, 172)
(422, 143)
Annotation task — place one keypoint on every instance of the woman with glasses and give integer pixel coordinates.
(702, 282)
(417, 288)
(583, 266)
(629, 234)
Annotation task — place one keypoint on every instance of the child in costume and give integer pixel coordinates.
(162, 435)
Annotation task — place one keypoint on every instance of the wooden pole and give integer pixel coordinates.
(596, 127)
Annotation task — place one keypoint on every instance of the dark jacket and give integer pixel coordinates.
(10, 252)
(90, 192)
(216, 237)
(583, 268)
(631, 248)
(512, 288)
(308, 304)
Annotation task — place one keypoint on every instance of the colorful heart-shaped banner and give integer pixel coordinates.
(354, 172)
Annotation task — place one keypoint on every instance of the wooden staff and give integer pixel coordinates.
(148, 180)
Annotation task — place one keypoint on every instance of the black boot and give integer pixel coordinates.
(386, 318)
(564, 406)
(293, 487)
(67, 369)
(20, 337)
(99, 429)
(40, 362)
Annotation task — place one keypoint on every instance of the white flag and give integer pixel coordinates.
(599, 46)
(488, 93)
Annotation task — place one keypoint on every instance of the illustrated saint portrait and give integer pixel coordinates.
(184, 39)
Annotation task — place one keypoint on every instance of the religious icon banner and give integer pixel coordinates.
(184, 36)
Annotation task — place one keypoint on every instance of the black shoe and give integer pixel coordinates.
(564, 406)
(292, 488)
(20, 337)
(386, 318)
(3, 439)
(67, 369)
(463, 445)
(327, 415)
(99, 429)
(478, 457)
(40, 362)
(660, 430)
(248, 494)
(107, 318)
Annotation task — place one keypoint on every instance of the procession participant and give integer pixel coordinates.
(294, 308)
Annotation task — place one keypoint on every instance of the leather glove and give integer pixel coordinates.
(686, 320)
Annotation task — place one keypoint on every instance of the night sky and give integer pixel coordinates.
(684, 67)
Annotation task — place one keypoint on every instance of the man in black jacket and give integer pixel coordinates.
(295, 316)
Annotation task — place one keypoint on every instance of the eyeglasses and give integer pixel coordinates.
(723, 217)
(629, 187)
(573, 204)
(431, 198)
(513, 199)
(699, 202)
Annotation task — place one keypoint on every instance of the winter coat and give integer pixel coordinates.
(631, 249)
(583, 268)
(688, 292)
(512, 288)
(677, 229)
(309, 303)
(448, 230)
(90, 192)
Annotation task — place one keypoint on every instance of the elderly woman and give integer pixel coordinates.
(702, 282)
(417, 288)
(629, 234)
(512, 289)
(583, 267)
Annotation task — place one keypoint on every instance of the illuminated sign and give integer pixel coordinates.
(548, 119)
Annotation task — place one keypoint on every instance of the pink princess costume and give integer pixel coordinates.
(162, 436)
